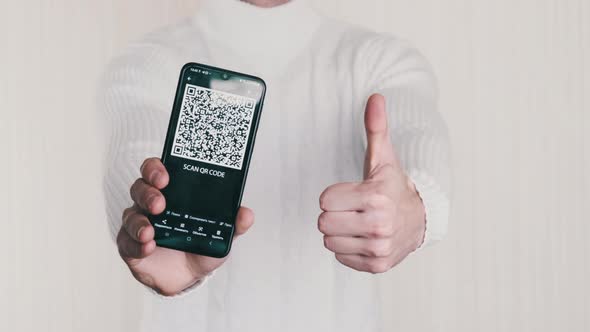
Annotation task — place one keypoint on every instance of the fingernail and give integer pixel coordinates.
(139, 231)
(150, 200)
(155, 175)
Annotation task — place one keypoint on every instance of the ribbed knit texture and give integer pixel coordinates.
(319, 73)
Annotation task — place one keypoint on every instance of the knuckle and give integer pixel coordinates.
(379, 229)
(132, 223)
(322, 223)
(376, 200)
(135, 188)
(126, 213)
(378, 249)
(148, 198)
(364, 189)
(327, 242)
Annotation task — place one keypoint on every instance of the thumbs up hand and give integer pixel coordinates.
(374, 224)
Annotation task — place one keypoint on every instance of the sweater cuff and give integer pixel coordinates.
(436, 206)
(190, 289)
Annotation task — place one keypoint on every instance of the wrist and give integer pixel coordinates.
(435, 203)
(419, 212)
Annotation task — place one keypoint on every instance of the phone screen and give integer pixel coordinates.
(207, 153)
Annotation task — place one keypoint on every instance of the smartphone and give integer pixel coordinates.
(207, 152)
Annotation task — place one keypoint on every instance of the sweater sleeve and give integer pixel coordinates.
(134, 101)
(419, 134)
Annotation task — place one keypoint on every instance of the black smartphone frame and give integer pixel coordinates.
(202, 249)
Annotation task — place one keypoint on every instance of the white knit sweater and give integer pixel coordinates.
(319, 73)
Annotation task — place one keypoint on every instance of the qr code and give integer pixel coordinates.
(213, 127)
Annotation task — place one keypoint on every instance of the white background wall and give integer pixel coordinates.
(514, 77)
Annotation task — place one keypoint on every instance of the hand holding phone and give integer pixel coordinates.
(187, 206)
(165, 270)
(209, 143)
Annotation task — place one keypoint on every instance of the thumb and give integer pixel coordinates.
(379, 147)
(244, 220)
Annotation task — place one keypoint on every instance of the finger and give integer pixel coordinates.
(346, 196)
(359, 246)
(137, 225)
(147, 197)
(365, 264)
(131, 249)
(244, 220)
(342, 223)
(154, 173)
(379, 147)
(352, 196)
(369, 224)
